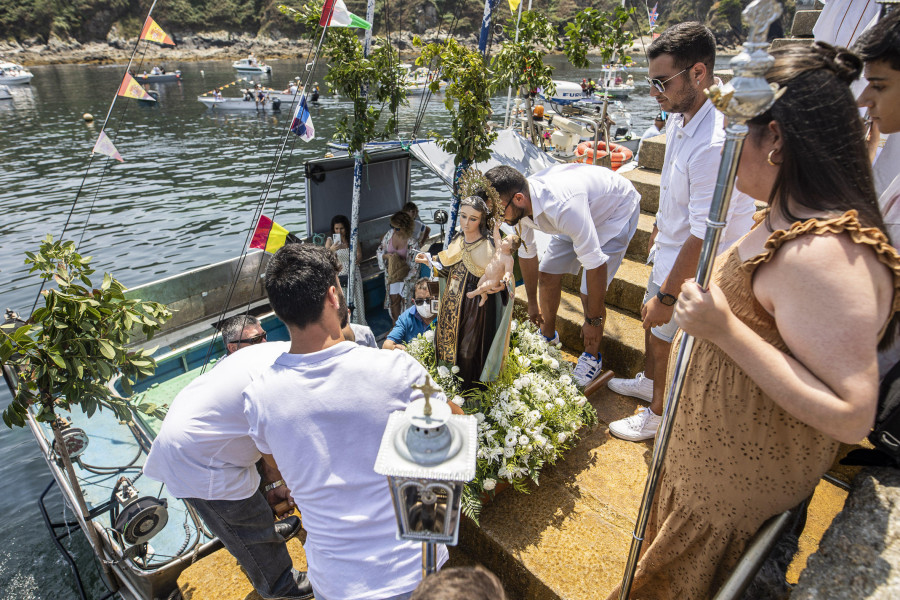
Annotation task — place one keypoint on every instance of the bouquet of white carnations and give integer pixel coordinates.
(527, 417)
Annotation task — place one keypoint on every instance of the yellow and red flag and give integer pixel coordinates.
(154, 33)
(269, 235)
(132, 89)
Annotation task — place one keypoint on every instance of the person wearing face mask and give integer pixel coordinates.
(418, 319)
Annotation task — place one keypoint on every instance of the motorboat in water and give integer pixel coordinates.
(418, 81)
(252, 65)
(242, 104)
(158, 77)
(14, 74)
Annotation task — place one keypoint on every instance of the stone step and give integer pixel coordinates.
(653, 152)
(783, 42)
(804, 21)
(646, 182)
(627, 289)
(623, 334)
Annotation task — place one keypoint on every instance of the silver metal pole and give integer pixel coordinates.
(744, 97)
(429, 559)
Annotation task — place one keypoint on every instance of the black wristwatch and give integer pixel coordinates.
(667, 299)
(595, 322)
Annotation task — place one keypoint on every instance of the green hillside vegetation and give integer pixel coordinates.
(92, 20)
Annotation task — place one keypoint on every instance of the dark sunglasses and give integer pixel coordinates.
(251, 340)
(421, 301)
(661, 85)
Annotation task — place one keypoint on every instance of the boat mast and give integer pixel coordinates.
(357, 181)
(489, 6)
(509, 89)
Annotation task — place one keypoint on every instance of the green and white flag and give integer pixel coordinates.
(340, 16)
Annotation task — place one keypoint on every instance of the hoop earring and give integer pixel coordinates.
(769, 158)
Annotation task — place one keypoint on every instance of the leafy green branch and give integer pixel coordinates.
(467, 98)
(363, 79)
(70, 348)
(604, 31)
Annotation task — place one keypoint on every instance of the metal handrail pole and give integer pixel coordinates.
(745, 97)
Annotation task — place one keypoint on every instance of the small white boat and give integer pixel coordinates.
(13, 74)
(251, 65)
(239, 104)
(158, 77)
(418, 81)
(5, 93)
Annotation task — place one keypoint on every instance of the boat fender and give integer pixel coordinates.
(620, 154)
(276, 103)
(88, 117)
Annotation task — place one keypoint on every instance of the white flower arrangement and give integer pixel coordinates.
(527, 417)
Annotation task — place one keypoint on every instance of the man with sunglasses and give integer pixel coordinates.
(681, 62)
(205, 456)
(418, 319)
(591, 213)
(241, 331)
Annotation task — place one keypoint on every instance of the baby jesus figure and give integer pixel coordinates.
(499, 272)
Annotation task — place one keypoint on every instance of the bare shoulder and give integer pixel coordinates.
(828, 263)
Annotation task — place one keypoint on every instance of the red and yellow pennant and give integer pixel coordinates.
(132, 89)
(154, 33)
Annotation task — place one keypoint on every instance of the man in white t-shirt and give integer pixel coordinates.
(592, 214)
(320, 412)
(680, 69)
(204, 455)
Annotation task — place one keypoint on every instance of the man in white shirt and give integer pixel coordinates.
(204, 455)
(592, 214)
(320, 412)
(680, 69)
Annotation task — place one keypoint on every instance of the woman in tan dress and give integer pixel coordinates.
(785, 365)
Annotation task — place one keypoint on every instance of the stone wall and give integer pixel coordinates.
(859, 556)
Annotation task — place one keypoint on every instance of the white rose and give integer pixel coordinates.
(443, 372)
(479, 417)
(562, 437)
(508, 453)
(565, 380)
(510, 440)
(488, 484)
(454, 369)
(581, 401)
(517, 384)
(458, 400)
(429, 335)
(513, 325)
(523, 440)
(549, 406)
(554, 364)
(524, 361)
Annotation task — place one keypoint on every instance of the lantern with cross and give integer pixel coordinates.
(428, 455)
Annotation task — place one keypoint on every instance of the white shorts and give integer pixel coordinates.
(560, 257)
(664, 332)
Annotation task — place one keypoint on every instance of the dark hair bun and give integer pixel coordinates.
(846, 65)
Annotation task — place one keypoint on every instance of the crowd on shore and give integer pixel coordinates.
(786, 364)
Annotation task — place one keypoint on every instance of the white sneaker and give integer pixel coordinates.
(640, 387)
(636, 428)
(554, 341)
(587, 369)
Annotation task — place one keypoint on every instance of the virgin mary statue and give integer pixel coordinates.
(474, 338)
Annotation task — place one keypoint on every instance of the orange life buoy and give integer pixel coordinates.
(620, 154)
